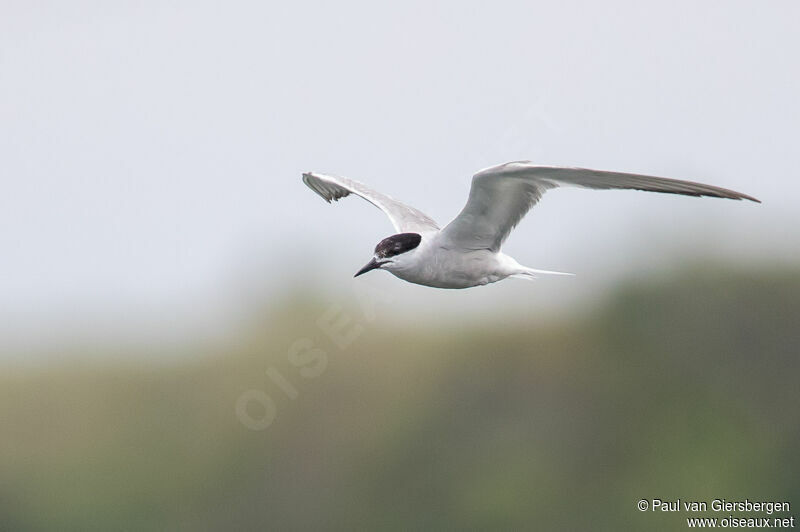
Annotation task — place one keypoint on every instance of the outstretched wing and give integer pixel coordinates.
(500, 196)
(404, 218)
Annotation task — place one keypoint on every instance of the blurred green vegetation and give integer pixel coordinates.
(679, 387)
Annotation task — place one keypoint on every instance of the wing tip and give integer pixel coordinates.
(308, 177)
(738, 196)
(325, 188)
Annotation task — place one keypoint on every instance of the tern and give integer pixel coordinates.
(466, 252)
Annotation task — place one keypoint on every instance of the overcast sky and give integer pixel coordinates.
(151, 152)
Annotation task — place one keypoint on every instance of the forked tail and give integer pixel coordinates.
(531, 273)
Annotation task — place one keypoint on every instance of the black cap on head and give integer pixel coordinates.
(391, 247)
(397, 244)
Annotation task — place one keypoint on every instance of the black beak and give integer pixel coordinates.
(371, 265)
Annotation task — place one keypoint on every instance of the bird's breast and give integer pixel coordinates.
(441, 267)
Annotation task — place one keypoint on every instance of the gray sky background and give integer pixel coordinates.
(151, 152)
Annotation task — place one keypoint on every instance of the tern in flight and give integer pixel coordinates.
(467, 252)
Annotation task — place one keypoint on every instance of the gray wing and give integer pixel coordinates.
(405, 219)
(500, 196)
